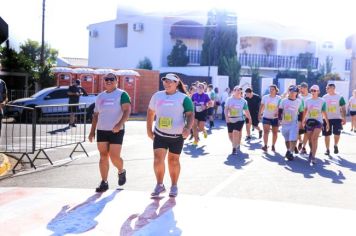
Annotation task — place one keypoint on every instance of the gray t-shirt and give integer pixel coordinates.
(352, 102)
(291, 109)
(333, 105)
(315, 108)
(169, 110)
(235, 108)
(108, 105)
(271, 106)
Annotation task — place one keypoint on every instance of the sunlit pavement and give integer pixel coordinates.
(253, 193)
(44, 211)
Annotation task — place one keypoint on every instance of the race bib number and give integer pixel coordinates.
(271, 107)
(165, 123)
(288, 117)
(198, 108)
(353, 106)
(314, 113)
(234, 112)
(332, 109)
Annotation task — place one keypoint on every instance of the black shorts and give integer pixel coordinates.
(272, 122)
(353, 113)
(335, 127)
(255, 120)
(210, 111)
(174, 145)
(201, 116)
(235, 126)
(73, 109)
(110, 137)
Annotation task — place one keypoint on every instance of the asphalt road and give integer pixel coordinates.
(210, 170)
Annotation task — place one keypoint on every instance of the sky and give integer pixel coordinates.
(67, 20)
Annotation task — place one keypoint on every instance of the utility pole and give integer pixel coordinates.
(43, 32)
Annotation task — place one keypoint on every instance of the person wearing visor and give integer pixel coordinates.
(269, 113)
(174, 114)
(288, 113)
(112, 110)
(201, 102)
(314, 112)
(302, 136)
(236, 109)
(336, 110)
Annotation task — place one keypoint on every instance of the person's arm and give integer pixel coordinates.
(325, 117)
(189, 116)
(149, 121)
(343, 110)
(304, 121)
(94, 122)
(4, 98)
(260, 112)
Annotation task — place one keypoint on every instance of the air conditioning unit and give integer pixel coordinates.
(93, 33)
(138, 27)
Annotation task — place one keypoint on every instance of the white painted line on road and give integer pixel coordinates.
(223, 184)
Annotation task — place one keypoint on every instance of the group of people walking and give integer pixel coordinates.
(174, 114)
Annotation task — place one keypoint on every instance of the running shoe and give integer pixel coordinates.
(327, 153)
(158, 190)
(205, 134)
(290, 156)
(296, 150)
(265, 148)
(174, 191)
(303, 151)
(122, 177)
(102, 187)
(248, 138)
(260, 134)
(273, 148)
(195, 143)
(234, 151)
(336, 149)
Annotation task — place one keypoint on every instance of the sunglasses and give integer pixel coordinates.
(313, 91)
(109, 79)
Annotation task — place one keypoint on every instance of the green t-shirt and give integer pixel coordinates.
(125, 98)
(188, 105)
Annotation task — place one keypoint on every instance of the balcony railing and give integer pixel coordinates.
(276, 61)
(194, 57)
(348, 64)
(260, 60)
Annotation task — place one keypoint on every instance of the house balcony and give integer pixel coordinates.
(347, 64)
(194, 57)
(278, 61)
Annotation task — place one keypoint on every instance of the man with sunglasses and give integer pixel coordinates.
(112, 110)
(74, 93)
(336, 111)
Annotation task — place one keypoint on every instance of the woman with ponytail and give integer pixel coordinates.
(174, 119)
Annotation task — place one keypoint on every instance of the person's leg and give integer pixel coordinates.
(196, 131)
(71, 118)
(314, 141)
(266, 129)
(114, 153)
(336, 139)
(354, 122)
(274, 135)
(327, 142)
(174, 167)
(248, 128)
(235, 137)
(201, 126)
(158, 164)
(103, 148)
(223, 109)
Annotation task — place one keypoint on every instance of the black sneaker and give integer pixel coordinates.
(336, 149)
(265, 148)
(102, 187)
(290, 156)
(248, 138)
(300, 146)
(122, 177)
(327, 153)
(260, 134)
(296, 150)
(234, 151)
(273, 148)
(73, 125)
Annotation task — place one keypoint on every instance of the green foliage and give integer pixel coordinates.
(231, 68)
(178, 56)
(255, 79)
(220, 39)
(145, 64)
(10, 60)
(299, 76)
(327, 67)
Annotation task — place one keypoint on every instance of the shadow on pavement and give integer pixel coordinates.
(194, 151)
(156, 223)
(81, 218)
(301, 166)
(59, 130)
(238, 161)
(343, 163)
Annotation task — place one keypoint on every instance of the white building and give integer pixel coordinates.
(124, 41)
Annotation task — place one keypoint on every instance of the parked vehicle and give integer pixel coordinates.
(55, 96)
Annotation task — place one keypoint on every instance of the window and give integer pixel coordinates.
(121, 35)
(64, 76)
(87, 78)
(58, 94)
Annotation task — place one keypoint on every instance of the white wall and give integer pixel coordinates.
(283, 85)
(342, 88)
(265, 83)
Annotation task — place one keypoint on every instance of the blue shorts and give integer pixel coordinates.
(272, 122)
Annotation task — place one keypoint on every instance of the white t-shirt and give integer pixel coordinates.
(291, 109)
(235, 108)
(315, 108)
(352, 102)
(304, 98)
(271, 106)
(333, 105)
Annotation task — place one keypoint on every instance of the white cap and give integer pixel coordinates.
(170, 76)
(315, 87)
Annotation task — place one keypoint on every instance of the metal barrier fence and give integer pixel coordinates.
(16, 94)
(34, 130)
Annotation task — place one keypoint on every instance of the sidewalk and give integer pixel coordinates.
(43, 211)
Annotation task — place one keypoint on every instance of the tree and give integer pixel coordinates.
(145, 64)
(30, 54)
(220, 39)
(231, 68)
(256, 79)
(178, 56)
(10, 60)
